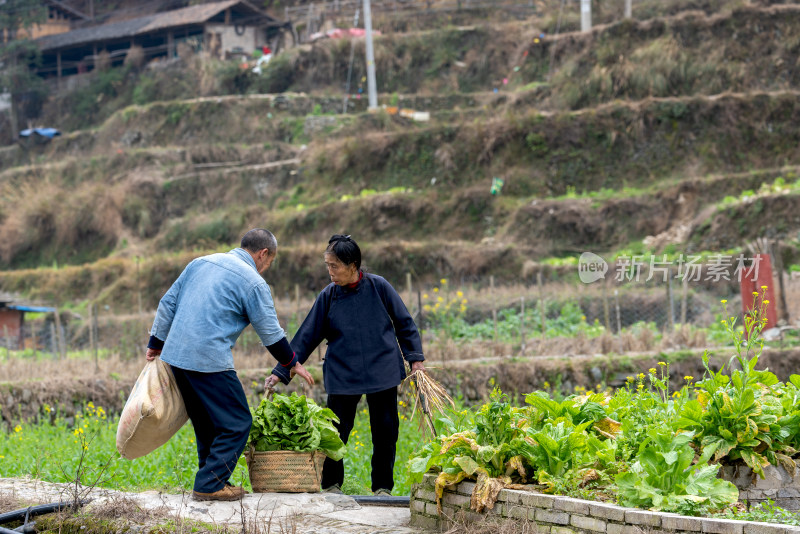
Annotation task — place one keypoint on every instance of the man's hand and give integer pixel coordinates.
(299, 370)
(152, 354)
(417, 366)
(271, 382)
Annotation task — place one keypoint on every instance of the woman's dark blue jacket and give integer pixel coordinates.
(369, 332)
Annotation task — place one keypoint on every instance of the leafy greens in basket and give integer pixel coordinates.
(295, 423)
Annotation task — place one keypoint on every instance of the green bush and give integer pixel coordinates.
(277, 77)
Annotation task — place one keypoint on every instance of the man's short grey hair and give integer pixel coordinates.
(259, 239)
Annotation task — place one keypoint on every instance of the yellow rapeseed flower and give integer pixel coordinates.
(424, 295)
(662, 363)
(459, 294)
(763, 287)
(435, 289)
(755, 293)
(629, 379)
(688, 377)
(17, 429)
(724, 301)
(652, 370)
(443, 281)
(439, 299)
(766, 301)
(641, 375)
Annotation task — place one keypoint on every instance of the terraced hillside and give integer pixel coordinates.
(680, 132)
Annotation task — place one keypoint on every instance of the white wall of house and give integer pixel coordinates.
(249, 40)
(5, 101)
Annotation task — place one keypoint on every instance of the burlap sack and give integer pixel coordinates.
(153, 413)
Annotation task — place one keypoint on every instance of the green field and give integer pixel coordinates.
(61, 452)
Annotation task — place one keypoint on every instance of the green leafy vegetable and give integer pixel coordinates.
(664, 477)
(295, 423)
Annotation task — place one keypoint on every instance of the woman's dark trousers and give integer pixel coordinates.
(385, 425)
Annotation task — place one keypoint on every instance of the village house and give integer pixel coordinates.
(12, 320)
(60, 18)
(224, 29)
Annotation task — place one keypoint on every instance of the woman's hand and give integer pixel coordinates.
(417, 366)
(299, 370)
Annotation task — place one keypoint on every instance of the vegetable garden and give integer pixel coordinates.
(643, 445)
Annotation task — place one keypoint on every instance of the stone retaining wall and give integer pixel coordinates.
(552, 514)
(778, 485)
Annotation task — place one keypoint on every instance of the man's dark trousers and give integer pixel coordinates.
(218, 409)
(385, 425)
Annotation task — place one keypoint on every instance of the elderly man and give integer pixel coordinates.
(197, 323)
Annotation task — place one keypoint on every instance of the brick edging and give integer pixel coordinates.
(554, 514)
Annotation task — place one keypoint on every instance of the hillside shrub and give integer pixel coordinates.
(278, 76)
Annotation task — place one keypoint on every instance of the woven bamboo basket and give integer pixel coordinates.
(285, 471)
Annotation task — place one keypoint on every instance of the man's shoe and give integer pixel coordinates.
(333, 489)
(227, 493)
(382, 491)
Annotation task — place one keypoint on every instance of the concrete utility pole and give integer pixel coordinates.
(586, 15)
(371, 83)
(628, 8)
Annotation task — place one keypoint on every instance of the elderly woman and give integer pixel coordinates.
(369, 332)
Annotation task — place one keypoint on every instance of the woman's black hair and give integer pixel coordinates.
(345, 249)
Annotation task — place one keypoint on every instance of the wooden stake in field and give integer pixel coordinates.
(93, 335)
(61, 345)
(297, 305)
(494, 305)
(542, 308)
(53, 341)
(33, 335)
(138, 286)
(8, 342)
(619, 321)
(684, 298)
(56, 344)
(522, 326)
(410, 291)
(670, 305)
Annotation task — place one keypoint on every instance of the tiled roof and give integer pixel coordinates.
(142, 25)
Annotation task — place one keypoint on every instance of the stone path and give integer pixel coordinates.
(282, 512)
